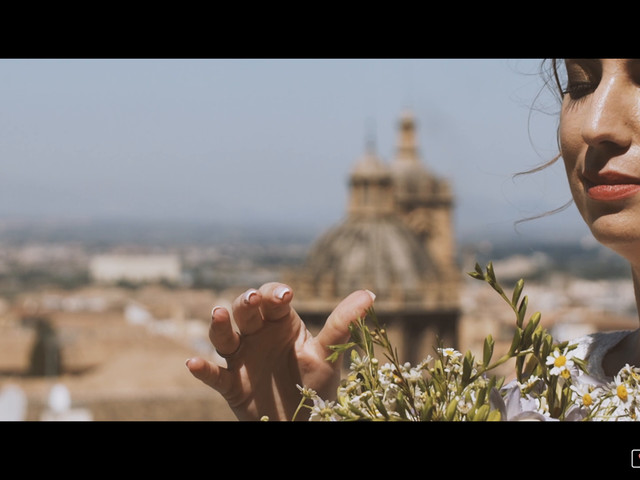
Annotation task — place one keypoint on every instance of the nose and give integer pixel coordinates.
(609, 119)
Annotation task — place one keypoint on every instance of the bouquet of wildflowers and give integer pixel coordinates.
(550, 382)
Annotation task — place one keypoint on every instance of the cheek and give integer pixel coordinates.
(569, 140)
(572, 170)
(578, 193)
(572, 173)
(570, 147)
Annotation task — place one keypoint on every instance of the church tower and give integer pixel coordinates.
(370, 187)
(395, 240)
(423, 201)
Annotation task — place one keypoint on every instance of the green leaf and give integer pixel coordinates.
(356, 410)
(581, 363)
(515, 343)
(517, 291)
(529, 329)
(354, 331)
(482, 395)
(482, 413)
(467, 367)
(537, 340)
(492, 383)
(491, 279)
(438, 368)
(333, 358)
(547, 345)
(451, 410)
(339, 350)
(487, 351)
(490, 273)
(478, 274)
(494, 416)
(342, 346)
(380, 406)
(530, 366)
(522, 310)
(427, 410)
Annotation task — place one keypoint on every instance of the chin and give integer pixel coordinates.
(620, 234)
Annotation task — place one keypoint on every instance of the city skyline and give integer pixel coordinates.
(264, 141)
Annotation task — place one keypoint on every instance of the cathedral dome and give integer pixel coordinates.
(369, 166)
(380, 254)
(396, 241)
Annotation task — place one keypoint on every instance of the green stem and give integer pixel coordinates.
(300, 405)
(505, 358)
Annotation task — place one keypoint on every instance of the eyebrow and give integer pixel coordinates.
(582, 61)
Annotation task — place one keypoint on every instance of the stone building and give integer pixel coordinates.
(135, 268)
(396, 240)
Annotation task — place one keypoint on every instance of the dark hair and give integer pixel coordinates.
(552, 80)
(553, 74)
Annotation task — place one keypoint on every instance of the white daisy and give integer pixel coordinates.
(323, 411)
(584, 394)
(450, 352)
(561, 364)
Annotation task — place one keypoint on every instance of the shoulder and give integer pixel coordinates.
(598, 341)
(593, 347)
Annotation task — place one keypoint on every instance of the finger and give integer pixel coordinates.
(246, 311)
(221, 332)
(336, 328)
(210, 374)
(276, 301)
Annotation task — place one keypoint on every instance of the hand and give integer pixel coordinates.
(273, 352)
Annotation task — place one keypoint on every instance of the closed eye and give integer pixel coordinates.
(577, 90)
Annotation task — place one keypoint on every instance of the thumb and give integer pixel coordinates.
(336, 328)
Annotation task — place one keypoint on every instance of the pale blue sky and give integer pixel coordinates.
(271, 140)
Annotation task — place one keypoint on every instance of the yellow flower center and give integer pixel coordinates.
(587, 400)
(326, 413)
(565, 374)
(622, 392)
(560, 361)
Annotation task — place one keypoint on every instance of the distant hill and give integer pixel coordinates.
(584, 259)
(107, 232)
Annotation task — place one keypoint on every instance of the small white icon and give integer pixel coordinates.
(635, 458)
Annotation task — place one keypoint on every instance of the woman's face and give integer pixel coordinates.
(600, 145)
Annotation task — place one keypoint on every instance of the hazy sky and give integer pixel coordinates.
(273, 140)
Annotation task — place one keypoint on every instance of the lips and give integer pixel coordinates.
(612, 192)
(611, 186)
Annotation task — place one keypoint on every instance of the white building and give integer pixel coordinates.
(135, 268)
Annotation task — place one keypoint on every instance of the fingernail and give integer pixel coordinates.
(187, 362)
(371, 294)
(248, 295)
(281, 291)
(213, 310)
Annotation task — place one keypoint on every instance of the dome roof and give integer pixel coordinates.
(369, 166)
(393, 241)
(380, 254)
